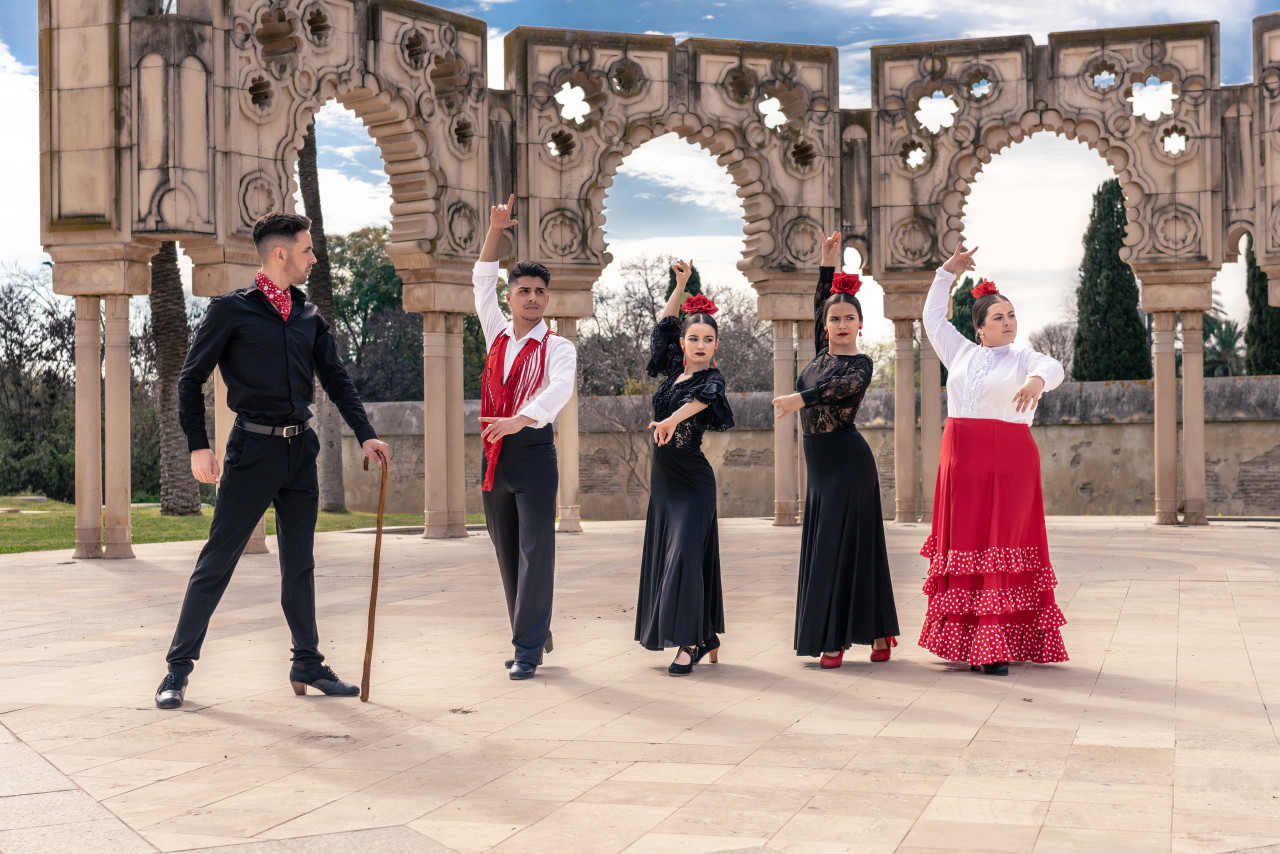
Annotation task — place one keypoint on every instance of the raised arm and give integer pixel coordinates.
(826, 274)
(683, 270)
(946, 339)
(484, 277)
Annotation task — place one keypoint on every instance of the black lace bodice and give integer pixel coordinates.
(667, 360)
(832, 386)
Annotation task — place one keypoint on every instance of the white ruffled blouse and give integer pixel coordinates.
(981, 381)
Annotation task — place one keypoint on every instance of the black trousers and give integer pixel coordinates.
(259, 471)
(520, 513)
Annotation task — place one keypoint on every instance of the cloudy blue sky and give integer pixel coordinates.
(1027, 211)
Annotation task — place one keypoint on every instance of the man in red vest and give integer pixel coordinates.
(529, 375)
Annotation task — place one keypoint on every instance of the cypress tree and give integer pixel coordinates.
(1262, 333)
(1111, 340)
(962, 309)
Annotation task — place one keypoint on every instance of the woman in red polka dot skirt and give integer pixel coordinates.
(990, 583)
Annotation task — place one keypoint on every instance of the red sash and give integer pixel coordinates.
(499, 399)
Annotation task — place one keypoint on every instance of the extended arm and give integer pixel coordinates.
(342, 391)
(211, 338)
(663, 429)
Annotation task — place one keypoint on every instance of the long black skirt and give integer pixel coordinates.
(846, 593)
(681, 602)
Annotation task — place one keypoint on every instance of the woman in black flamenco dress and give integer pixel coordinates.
(845, 591)
(681, 603)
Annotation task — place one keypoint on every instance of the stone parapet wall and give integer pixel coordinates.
(1095, 444)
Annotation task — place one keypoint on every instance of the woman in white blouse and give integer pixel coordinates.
(990, 583)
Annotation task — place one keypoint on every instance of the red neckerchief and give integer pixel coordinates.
(500, 399)
(281, 299)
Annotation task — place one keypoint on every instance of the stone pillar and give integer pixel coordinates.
(88, 427)
(568, 508)
(1166, 419)
(785, 494)
(930, 424)
(456, 488)
(435, 424)
(806, 349)
(223, 421)
(1194, 508)
(116, 534)
(904, 421)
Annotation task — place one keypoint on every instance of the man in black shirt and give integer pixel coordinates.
(269, 343)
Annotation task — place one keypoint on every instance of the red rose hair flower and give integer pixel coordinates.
(846, 283)
(986, 286)
(698, 304)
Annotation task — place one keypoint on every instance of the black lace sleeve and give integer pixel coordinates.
(664, 348)
(710, 389)
(826, 275)
(840, 386)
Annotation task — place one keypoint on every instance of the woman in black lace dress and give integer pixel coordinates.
(846, 594)
(681, 602)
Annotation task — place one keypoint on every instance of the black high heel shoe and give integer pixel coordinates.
(998, 668)
(709, 647)
(684, 669)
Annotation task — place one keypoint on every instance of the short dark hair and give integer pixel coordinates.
(698, 318)
(529, 268)
(837, 298)
(279, 224)
(982, 305)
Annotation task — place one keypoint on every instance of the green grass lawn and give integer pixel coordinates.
(54, 526)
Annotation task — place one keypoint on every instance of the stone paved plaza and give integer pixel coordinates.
(1156, 736)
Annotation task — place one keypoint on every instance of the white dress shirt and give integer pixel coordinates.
(560, 378)
(981, 381)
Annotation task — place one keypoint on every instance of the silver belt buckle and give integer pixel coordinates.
(291, 431)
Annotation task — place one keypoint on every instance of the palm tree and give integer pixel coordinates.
(1223, 345)
(179, 492)
(320, 292)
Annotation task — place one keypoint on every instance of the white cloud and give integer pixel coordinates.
(688, 173)
(497, 58)
(716, 257)
(350, 203)
(20, 152)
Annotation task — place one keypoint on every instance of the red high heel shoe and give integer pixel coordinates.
(883, 654)
(831, 660)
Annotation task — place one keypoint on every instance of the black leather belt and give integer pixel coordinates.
(288, 431)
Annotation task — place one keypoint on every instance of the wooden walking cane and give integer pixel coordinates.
(373, 592)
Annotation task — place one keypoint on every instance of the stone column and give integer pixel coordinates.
(784, 429)
(567, 446)
(1194, 511)
(116, 534)
(223, 421)
(1166, 419)
(930, 424)
(88, 427)
(455, 429)
(806, 349)
(904, 421)
(435, 423)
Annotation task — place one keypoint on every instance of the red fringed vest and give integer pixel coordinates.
(499, 399)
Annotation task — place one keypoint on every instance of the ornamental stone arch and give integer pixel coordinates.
(630, 89)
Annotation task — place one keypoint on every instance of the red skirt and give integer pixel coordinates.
(990, 583)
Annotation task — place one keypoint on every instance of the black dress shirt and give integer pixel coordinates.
(267, 364)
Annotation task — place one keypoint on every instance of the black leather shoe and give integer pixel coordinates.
(684, 669)
(324, 680)
(522, 670)
(547, 647)
(171, 692)
(710, 646)
(999, 668)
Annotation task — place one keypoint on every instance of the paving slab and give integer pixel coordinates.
(1158, 735)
